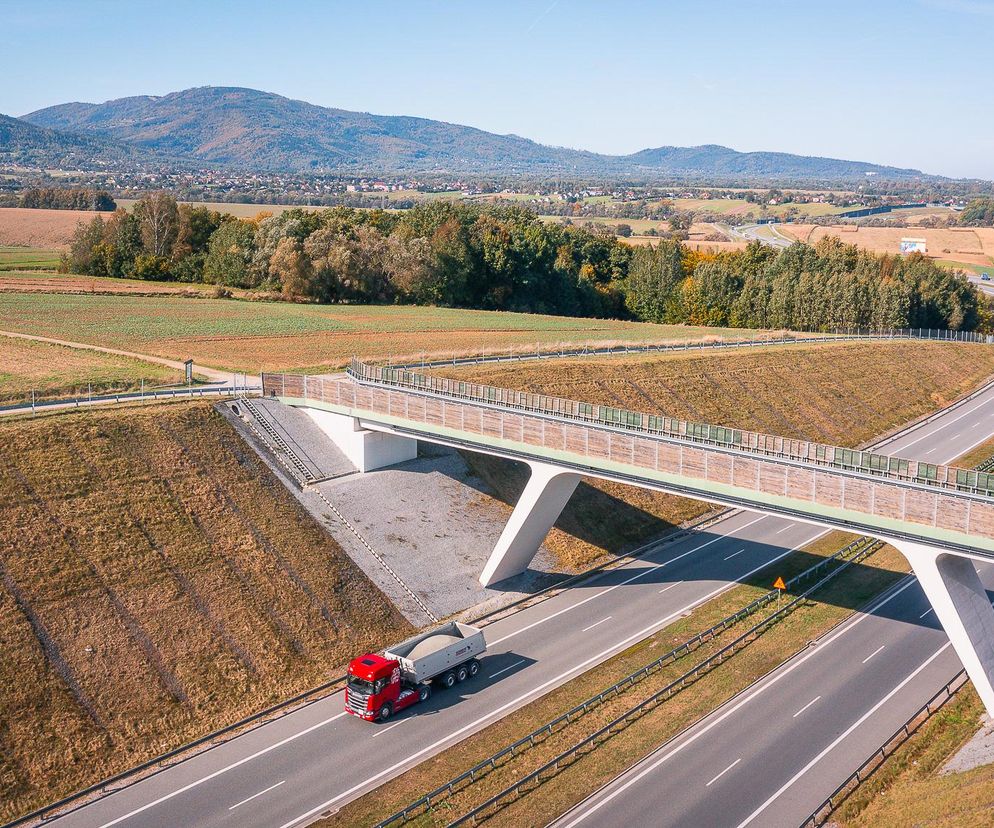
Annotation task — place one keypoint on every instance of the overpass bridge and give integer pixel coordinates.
(940, 517)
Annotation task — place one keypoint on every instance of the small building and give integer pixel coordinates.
(913, 246)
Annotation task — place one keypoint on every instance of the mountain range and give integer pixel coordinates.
(245, 129)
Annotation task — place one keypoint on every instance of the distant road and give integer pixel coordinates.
(765, 233)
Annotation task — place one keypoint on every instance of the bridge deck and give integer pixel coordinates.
(865, 491)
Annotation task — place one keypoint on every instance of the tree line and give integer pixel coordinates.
(831, 285)
(55, 198)
(501, 257)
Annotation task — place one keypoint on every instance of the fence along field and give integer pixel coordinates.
(156, 582)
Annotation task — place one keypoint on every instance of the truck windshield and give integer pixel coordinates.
(358, 685)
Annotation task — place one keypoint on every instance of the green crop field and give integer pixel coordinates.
(252, 336)
(27, 258)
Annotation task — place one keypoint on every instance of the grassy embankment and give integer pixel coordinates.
(273, 336)
(156, 582)
(57, 371)
(844, 394)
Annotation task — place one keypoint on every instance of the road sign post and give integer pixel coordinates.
(780, 587)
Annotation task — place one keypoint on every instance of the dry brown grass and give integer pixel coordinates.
(842, 393)
(157, 582)
(56, 371)
(908, 790)
(40, 228)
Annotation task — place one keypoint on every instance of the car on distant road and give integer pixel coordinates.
(985, 276)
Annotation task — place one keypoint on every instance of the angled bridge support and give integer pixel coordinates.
(546, 493)
(961, 604)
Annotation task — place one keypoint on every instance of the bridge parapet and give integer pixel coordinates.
(873, 492)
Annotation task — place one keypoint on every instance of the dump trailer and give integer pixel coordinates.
(380, 685)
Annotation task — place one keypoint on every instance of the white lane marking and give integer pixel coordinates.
(675, 583)
(791, 526)
(635, 577)
(225, 769)
(726, 770)
(799, 712)
(965, 449)
(577, 668)
(927, 453)
(596, 623)
(942, 426)
(871, 655)
(844, 735)
(383, 730)
(707, 728)
(509, 667)
(925, 613)
(249, 799)
(734, 554)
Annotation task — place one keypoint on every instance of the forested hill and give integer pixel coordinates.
(25, 143)
(248, 129)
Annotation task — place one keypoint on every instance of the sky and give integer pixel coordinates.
(908, 83)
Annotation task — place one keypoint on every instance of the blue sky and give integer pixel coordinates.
(905, 83)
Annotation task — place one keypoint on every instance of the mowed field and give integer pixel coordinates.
(974, 245)
(57, 371)
(271, 336)
(844, 394)
(50, 229)
(156, 582)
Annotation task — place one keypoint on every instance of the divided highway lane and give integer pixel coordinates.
(772, 755)
(325, 758)
(288, 772)
(775, 753)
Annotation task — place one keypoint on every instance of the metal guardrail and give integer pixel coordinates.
(619, 723)
(853, 552)
(821, 814)
(856, 461)
(700, 344)
(131, 396)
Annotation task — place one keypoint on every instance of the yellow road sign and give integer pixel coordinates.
(779, 584)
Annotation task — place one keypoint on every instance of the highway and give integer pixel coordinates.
(770, 756)
(290, 771)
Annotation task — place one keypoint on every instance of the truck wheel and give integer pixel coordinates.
(385, 712)
(461, 673)
(474, 667)
(448, 679)
(424, 693)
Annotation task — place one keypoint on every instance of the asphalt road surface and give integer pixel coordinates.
(290, 771)
(772, 755)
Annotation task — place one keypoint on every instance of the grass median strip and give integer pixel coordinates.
(832, 604)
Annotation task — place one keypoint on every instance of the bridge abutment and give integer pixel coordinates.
(956, 593)
(546, 493)
(366, 449)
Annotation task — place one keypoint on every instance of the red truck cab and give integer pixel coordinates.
(375, 689)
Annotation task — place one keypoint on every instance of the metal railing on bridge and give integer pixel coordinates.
(657, 425)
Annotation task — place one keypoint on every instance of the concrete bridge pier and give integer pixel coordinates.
(546, 493)
(366, 449)
(960, 601)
